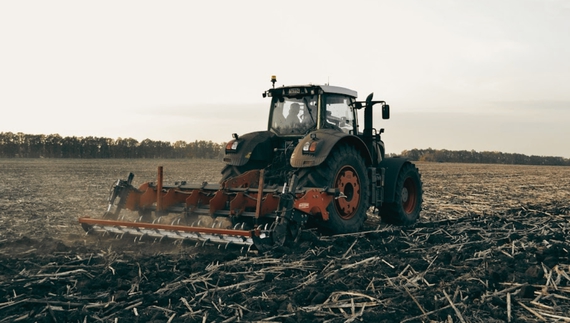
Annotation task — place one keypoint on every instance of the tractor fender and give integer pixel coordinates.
(254, 145)
(326, 140)
(392, 166)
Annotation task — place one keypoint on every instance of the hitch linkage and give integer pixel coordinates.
(121, 189)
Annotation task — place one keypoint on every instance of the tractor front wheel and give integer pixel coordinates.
(230, 171)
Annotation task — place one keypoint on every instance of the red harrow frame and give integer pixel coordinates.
(241, 210)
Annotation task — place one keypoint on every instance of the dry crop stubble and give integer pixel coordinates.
(492, 244)
(44, 197)
(455, 190)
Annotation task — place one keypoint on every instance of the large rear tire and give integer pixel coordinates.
(405, 209)
(343, 169)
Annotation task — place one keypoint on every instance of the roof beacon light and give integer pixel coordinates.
(273, 80)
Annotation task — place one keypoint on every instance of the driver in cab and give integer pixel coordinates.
(292, 118)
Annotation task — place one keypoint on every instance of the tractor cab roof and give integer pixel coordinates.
(338, 90)
(310, 89)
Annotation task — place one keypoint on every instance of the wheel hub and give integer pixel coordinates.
(347, 182)
(409, 195)
(404, 195)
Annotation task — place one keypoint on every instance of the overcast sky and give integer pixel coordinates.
(487, 75)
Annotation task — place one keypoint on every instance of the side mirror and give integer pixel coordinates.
(385, 111)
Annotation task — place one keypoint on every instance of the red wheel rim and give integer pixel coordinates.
(409, 195)
(348, 183)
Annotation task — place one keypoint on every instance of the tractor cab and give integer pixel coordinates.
(298, 110)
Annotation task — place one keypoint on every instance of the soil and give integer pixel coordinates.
(492, 245)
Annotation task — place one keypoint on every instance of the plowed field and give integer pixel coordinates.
(492, 245)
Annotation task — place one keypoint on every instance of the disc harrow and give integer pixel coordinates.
(241, 210)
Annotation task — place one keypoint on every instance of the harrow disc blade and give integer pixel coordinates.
(216, 235)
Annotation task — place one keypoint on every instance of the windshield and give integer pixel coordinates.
(340, 115)
(293, 116)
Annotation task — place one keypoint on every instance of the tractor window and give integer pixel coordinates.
(293, 116)
(339, 113)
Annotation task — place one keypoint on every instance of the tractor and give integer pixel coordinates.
(315, 166)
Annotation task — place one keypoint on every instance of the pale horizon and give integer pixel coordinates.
(458, 75)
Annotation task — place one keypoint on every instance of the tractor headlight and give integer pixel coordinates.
(310, 147)
(232, 146)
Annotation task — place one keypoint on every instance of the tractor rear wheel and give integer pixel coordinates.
(405, 209)
(345, 170)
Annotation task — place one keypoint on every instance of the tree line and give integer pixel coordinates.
(20, 145)
(484, 157)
